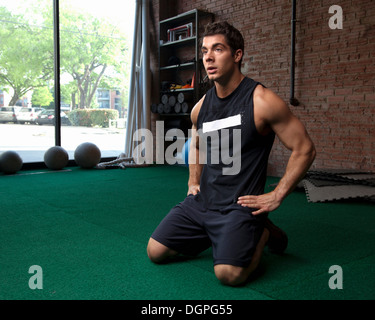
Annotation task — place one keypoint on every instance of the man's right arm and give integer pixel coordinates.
(195, 168)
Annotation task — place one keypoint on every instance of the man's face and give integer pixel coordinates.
(217, 57)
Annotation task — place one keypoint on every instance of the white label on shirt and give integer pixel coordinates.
(221, 123)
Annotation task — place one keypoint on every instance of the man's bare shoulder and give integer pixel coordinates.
(268, 105)
(266, 96)
(195, 111)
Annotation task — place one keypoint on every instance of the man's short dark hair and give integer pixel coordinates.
(232, 35)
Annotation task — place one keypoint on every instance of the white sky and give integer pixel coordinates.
(121, 12)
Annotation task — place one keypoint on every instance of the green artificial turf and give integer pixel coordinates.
(88, 231)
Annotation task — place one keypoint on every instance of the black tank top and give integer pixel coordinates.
(237, 155)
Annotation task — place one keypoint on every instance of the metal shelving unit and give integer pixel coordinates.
(188, 68)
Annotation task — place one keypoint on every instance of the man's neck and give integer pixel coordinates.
(225, 88)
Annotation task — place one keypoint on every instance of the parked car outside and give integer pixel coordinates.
(8, 114)
(28, 114)
(48, 117)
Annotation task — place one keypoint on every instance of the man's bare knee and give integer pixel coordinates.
(231, 275)
(158, 252)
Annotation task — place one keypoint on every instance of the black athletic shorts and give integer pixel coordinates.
(233, 232)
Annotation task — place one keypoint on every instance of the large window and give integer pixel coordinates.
(95, 53)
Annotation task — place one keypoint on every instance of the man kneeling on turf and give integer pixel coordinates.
(230, 211)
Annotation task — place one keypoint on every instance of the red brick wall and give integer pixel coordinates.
(334, 75)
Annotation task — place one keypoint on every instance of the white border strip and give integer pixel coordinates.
(222, 123)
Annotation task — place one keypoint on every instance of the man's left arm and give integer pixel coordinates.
(292, 133)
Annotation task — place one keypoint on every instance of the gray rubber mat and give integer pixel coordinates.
(337, 192)
(341, 177)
